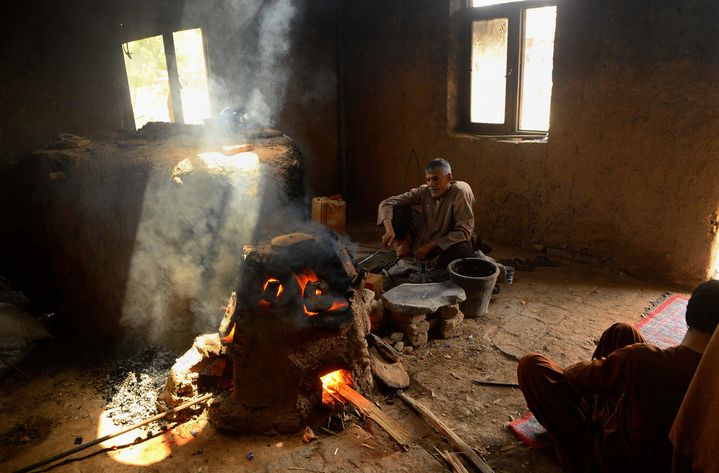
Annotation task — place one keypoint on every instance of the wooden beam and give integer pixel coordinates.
(445, 431)
(367, 408)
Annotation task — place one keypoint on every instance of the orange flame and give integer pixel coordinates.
(280, 288)
(330, 383)
(230, 336)
(303, 279)
(338, 305)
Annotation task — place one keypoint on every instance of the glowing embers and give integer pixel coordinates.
(331, 385)
(315, 294)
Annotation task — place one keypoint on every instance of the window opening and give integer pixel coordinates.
(192, 70)
(149, 64)
(510, 60)
(147, 77)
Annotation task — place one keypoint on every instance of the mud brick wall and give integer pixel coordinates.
(629, 175)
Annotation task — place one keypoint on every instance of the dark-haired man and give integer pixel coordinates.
(442, 226)
(613, 413)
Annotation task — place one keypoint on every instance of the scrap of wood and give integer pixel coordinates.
(325, 429)
(230, 150)
(15, 367)
(440, 427)
(454, 462)
(483, 382)
(396, 431)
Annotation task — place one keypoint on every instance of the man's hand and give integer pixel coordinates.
(424, 250)
(388, 237)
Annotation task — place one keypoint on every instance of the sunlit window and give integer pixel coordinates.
(148, 80)
(190, 54)
(153, 95)
(510, 60)
(489, 68)
(537, 68)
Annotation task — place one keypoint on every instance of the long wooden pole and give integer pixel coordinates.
(454, 439)
(119, 432)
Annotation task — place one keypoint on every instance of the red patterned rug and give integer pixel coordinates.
(664, 326)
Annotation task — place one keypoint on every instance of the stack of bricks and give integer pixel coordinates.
(414, 326)
(451, 318)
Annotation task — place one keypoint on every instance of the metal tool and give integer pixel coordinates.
(368, 257)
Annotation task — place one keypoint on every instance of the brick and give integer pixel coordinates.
(449, 311)
(374, 282)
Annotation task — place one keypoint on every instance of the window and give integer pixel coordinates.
(509, 73)
(167, 78)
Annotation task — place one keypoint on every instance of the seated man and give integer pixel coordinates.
(613, 414)
(445, 223)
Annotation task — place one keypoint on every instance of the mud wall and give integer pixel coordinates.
(62, 71)
(629, 175)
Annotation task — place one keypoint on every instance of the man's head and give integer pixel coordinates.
(438, 173)
(703, 307)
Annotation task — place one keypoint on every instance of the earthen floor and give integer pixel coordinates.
(559, 311)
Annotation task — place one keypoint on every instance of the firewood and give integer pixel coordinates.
(385, 349)
(454, 462)
(483, 382)
(445, 431)
(368, 409)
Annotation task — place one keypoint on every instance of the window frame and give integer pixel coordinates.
(514, 12)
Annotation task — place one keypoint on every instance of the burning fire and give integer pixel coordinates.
(331, 382)
(338, 305)
(230, 336)
(309, 276)
(304, 278)
(275, 283)
(273, 288)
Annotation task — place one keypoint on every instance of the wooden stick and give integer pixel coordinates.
(119, 432)
(495, 383)
(15, 367)
(440, 427)
(451, 458)
(368, 409)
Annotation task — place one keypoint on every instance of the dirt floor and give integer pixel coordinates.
(559, 311)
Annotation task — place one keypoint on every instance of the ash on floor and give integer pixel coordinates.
(134, 383)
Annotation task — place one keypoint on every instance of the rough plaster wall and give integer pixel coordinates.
(628, 175)
(53, 78)
(62, 71)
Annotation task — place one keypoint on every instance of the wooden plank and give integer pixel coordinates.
(367, 408)
(445, 431)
